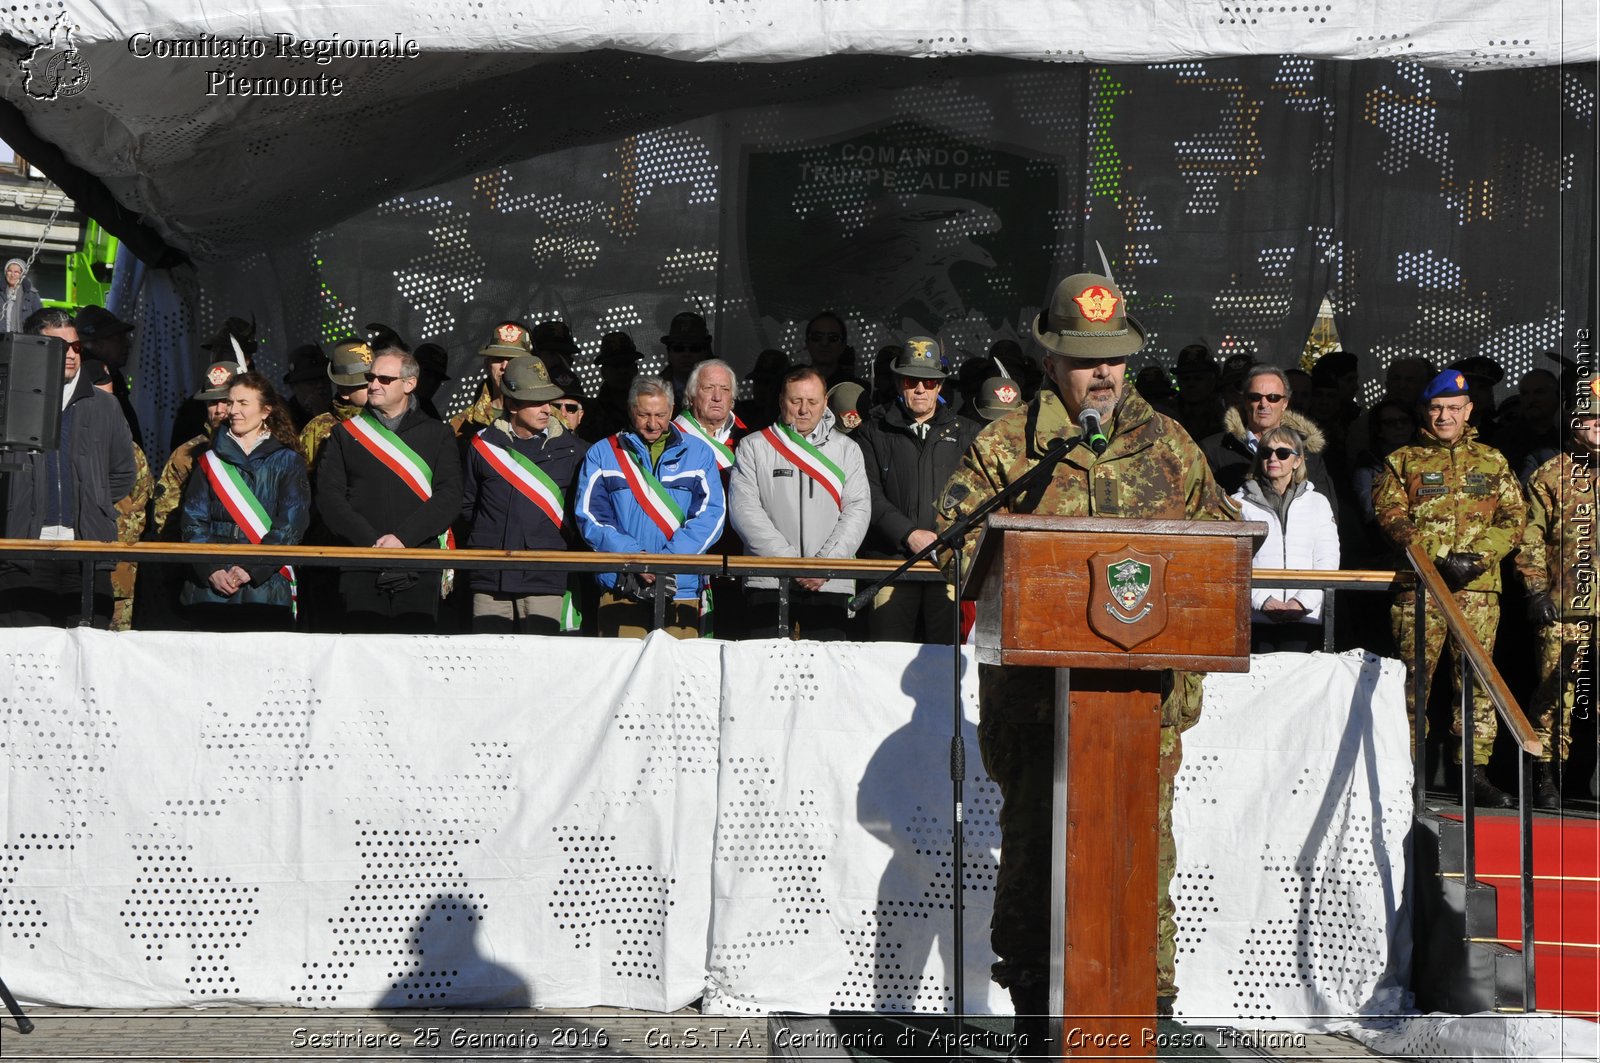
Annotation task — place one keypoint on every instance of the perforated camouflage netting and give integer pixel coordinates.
(1444, 211)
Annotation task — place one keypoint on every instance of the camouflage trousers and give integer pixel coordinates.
(1482, 611)
(1566, 682)
(1016, 736)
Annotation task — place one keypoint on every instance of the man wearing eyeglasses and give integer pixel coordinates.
(390, 477)
(1264, 405)
(66, 493)
(911, 447)
(1149, 468)
(1459, 501)
(828, 348)
(510, 340)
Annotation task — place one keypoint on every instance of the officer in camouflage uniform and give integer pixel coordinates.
(132, 513)
(157, 585)
(348, 371)
(1556, 563)
(1459, 500)
(510, 341)
(1151, 469)
(169, 489)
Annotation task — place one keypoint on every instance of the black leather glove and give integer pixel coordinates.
(1542, 610)
(1459, 570)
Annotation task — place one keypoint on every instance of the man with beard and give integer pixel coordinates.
(1149, 469)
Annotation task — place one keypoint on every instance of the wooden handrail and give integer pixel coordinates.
(1488, 675)
(429, 558)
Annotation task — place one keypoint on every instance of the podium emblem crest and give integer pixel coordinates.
(1127, 598)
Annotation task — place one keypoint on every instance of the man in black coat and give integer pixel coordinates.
(1232, 452)
(390, 477)
(910, 448)
(66, 493)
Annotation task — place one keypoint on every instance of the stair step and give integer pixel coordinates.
(1566, 903)
(1562, 846)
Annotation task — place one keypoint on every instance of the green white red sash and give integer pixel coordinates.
(229, 485)
(523, 474)
(692, 426)
(647, 490)
(392, 451)
(808, 459)
(405, 463)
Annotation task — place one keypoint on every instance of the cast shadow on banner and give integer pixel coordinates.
(915, 908)
(446, 969)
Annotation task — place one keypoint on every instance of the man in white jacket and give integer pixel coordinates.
(800, 490)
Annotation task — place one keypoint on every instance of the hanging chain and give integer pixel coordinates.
(48, 225)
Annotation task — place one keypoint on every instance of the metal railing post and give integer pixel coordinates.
(1419, 697)
(1525, 768)
(1469, 863)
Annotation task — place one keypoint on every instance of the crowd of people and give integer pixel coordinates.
(804, 459)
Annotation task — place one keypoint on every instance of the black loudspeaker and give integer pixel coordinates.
(31, 372)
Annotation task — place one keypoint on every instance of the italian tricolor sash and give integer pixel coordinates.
(808, 459)
(246, 510)
(524, 475)
(405, 463)
(648, 490)
(391, 450)
(689, 424)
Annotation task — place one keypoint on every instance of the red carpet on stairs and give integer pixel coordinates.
(1566, 903)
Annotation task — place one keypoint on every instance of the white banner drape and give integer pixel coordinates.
(341, 821)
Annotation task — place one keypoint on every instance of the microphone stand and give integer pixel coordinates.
(952, 538)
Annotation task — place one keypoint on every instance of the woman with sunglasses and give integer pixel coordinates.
(248, 486)
(1301, 533)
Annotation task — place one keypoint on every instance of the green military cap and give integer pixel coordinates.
(1088, 318)
(214, 383)
(349, 364)
(510, 340)
(844, 399)
(998, 396)
(922, 358)
(528, 380)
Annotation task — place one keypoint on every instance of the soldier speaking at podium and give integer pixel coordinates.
(1126, 460)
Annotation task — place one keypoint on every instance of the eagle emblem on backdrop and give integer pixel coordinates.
(1128, 596)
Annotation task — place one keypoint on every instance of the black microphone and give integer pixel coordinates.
(1093, 434)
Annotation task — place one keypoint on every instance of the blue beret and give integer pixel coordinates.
(1448, 383)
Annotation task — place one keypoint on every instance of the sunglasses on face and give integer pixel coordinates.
(568, 407)
(1281, 453)
(379, 378)
(1256, 396)
(824, 337)
(681, 348)
(919, 384)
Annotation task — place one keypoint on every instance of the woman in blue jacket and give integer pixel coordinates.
(248, 486)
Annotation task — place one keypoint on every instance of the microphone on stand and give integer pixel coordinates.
(1093, 434)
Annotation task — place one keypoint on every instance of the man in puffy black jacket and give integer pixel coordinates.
(911, 446)
(516, 487)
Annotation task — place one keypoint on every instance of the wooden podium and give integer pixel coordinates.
(1109, 604)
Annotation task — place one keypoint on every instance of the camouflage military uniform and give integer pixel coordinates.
(1460, 497)
(481, 414)
(1151, 469)
(318, 429)
(169, 489)
(132, 512)
(1557, 557)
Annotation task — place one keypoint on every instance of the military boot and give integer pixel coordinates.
(1546, 794)
(1486, 794)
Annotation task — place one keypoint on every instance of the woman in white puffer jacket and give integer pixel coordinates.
(1301, 533)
